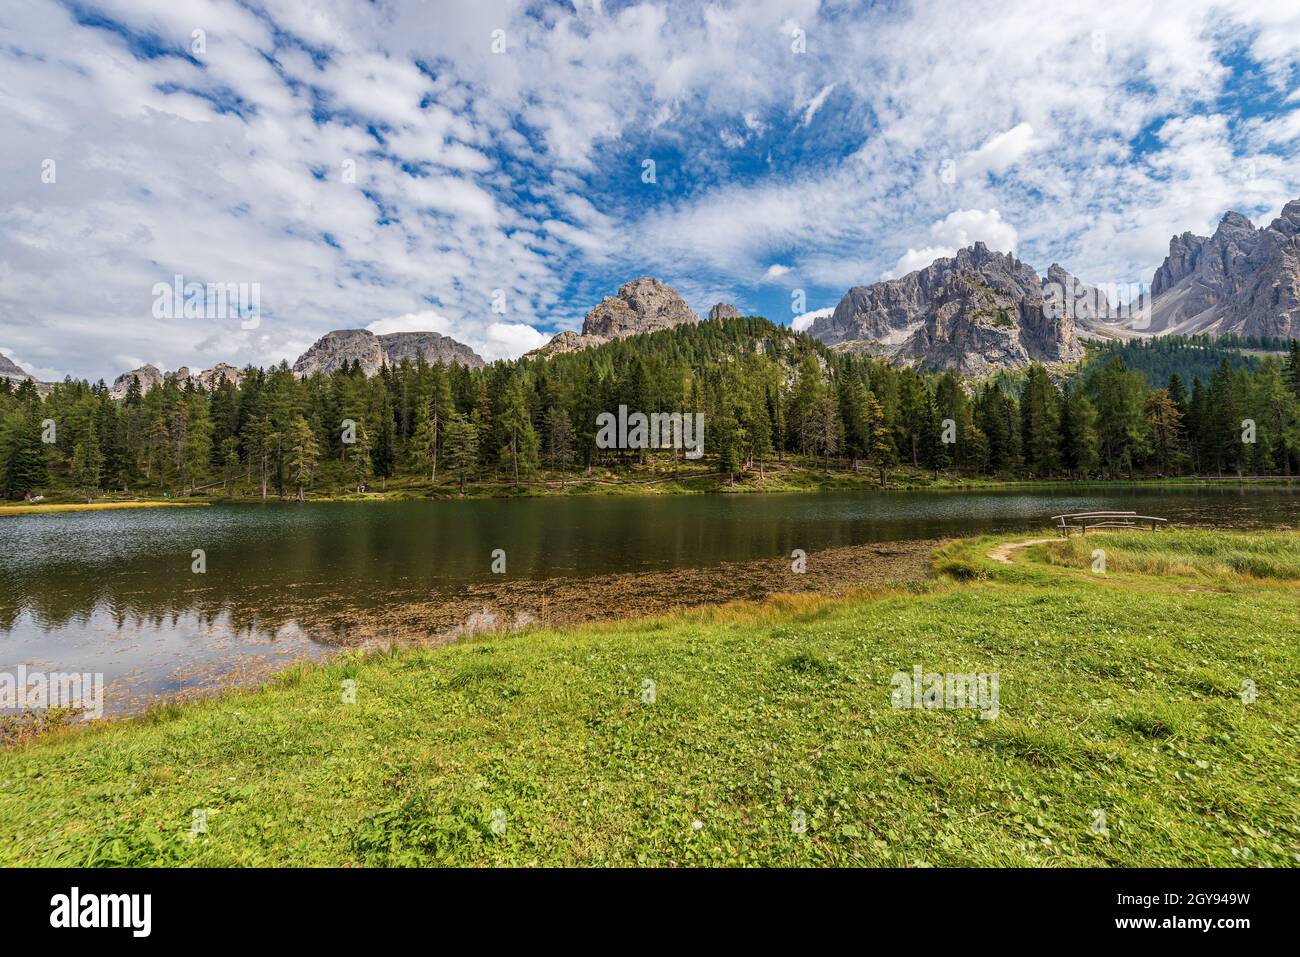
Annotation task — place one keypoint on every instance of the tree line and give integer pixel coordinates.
(770, 398)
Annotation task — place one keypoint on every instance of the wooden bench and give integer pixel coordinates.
(1086, 520)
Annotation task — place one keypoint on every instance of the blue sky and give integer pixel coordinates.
(498, 152)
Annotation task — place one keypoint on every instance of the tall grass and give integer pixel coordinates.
(1231, 555)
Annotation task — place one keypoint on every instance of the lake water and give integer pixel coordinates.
(114, 591)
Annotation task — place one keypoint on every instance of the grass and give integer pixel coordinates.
(1120, 693)
(655, 477)
(1205, 554)
(44, 507)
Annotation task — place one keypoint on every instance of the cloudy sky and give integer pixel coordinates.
(412, 165)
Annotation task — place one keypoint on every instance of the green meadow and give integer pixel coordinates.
(1147, 716)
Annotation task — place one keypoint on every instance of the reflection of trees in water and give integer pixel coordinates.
(339, 578)
(350, 573)
(57, 597)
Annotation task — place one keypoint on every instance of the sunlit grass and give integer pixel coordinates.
(1123, 693)
(1255, 555)
(41, 508)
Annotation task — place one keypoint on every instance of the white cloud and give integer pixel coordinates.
(427, 321)
(800, 323)
(495, 340)
(506, 340)
(915, 259)
(816, 103)
(955, 231)
(478, 172)
(967, 226)
(1000, 152)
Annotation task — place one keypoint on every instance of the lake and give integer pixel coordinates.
(114, 591)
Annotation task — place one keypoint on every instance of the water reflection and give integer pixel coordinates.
(117, 587)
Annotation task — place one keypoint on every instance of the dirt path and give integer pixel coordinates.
(1003, 552)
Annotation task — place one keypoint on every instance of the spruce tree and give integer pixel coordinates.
(460, 445)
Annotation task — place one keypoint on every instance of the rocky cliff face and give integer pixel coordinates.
(974, 313)
(642, 305)
(432, 345)
(1064, 294)
(344, 346)
(150, 376)
(332, 351)
(724, 310)
(10, 370)
(147, 376)
(1241, 279)
(211, 378)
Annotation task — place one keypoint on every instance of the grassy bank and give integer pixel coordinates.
(42, 508)
(656, 477)
(1120, 693)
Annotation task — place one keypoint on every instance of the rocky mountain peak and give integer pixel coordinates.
(1288, 223)
(342, 347)
(11, 370)
(724, 310)
(975, 312)
(1068, 295)
(222, 371)
(1233, 220)
(148, 376)
(1241, 279)
(642, 305)
(433, 346)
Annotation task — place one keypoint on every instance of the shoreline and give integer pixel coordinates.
(605, 743)
(508, 608)
(50, 508)
(647, 488)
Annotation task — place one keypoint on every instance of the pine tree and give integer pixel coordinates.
(382, 455)
(1117, 394)
(460, 443)
(1222, 424)
(262, 445)
(1194, 426)
(360, 458)
(824, 422)
(304, 453)
(22, 454)
(230, 463)
(520, 446)
(880, 440)
(559, 440)
(1080, 443)
(196, 447)
(424, 443)
(85, 466)
(441, 407)
(1040, 423)
(730, 438)
(1165, 422)
(1293, 367)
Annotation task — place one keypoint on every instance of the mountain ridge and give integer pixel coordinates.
(975, 312)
